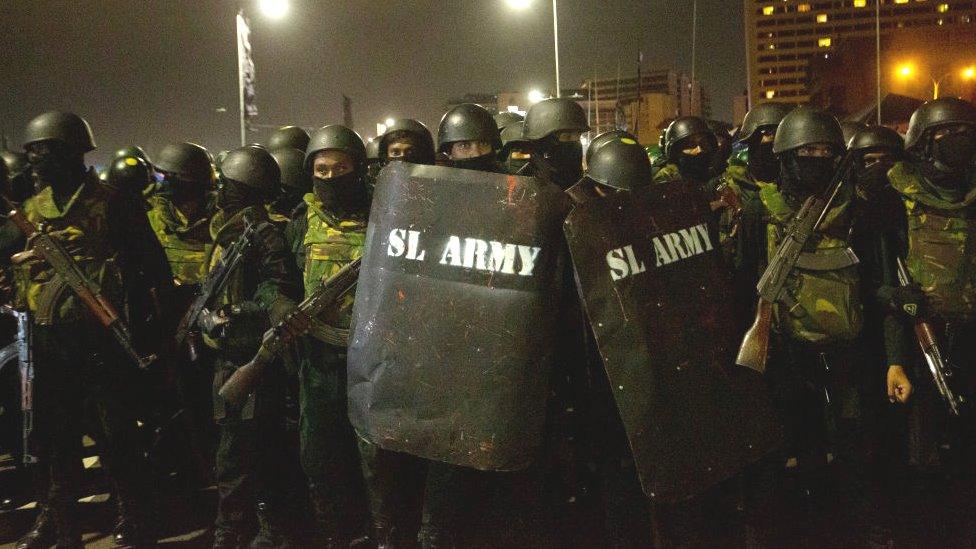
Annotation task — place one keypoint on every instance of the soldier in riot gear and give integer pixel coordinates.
(17, 184)
(822, 374)
(723, 140)
(407, 140)
(251, 434)
(515, 152)
(937, 183)
(554, 128)
(616, 164)
(373, 164)
(689, 146)
(604, 138)
(294, 182)
(288, 137)
(326, 232)
(77, 360)
(130, 174)
(469, 136)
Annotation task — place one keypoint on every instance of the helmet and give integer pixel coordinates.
(288, 136)
(15, 162)
(876, 137)
(620, 163)
(254, 168)
(467, 122)
(373, 151)
(132, 150)
(129, 174)
(605, 138)
(682, 128)
(411, 126)
(291, 162)
(939, 112)
(850, 129)
(188, 161)
(512, 135)
(505, 119)
(68, 128)
(760, 116)
(806, 126)
(335, 137)
(553, 115)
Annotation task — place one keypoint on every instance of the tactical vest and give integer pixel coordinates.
(185, 251)
(823, 289)
(82, 228)
(941, 244)
(329, 245)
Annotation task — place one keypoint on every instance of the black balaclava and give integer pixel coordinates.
(344, 195)
(483, 163)
(872, 178)
(763, 164)
(189, 196)
(559, 161)
(698, 167)
(956, 152)
(53, 163)
(234, 196)
(804, 176)
(287, 200)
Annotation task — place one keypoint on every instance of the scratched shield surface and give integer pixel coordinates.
(664, 327)
(451, 349)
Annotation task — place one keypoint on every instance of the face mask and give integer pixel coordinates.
(234, 197)
(565, 160)
(762, 162)
(871, 180)
(803, 176)
(287, 200)
(697, 167)
(485, 163)
(956, 151)
(59, 171)
(342, 195)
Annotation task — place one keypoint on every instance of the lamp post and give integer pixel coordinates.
(907, 71)
(272, 9)
(523, 4)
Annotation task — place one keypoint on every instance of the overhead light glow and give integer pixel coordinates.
(905, 70)
(274, 9)
(969, 73)
(518, 4)
(388, 122)
(535, 96)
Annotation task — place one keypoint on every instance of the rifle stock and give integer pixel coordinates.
(754, 351)
(242, 381)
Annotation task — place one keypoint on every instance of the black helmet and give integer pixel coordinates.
(850, 129)
(129, 174)
(254, 168)
(934, 114)
(467, 122)
(413, 127)
(761, 116)
(68, 128)
(132, 150)
(505, 119)
(683, 128)
(621, 164)
(876, 137)
(512, 135)
(605, 138)
(335, 137)
(553, 115)
(373, 151)
(15, 162)
(291, 162)
(188, 161)
(807, 126)
(288, 136)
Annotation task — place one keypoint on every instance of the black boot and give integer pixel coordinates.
(66, 524)
(326, 520)
(42, 535)
(271, 533)
(131, 530)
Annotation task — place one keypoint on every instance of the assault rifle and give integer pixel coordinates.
(24, 349)
(297, 324)
(215, 282)
(754, 351)
(930, 348)
(64, 265)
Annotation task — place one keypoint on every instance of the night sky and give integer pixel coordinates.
(151, 72)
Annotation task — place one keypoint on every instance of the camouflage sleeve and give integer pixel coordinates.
(278, 288)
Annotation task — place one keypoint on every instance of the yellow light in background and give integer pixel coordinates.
(821, 18)
(942, 8)
(770, 94)
(769, 10)
(860, 3)
(824, 42)
(803, 8)
(969, 73)
(901, 1)
(906, 71)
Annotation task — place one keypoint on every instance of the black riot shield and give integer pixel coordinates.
(454, 318)
(659, 302)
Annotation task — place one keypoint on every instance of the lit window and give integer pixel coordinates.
(901, 1)
(770, 94)
(772, 46)
(942, 8)
(860, 3)
(768, 10)
(824, 42)
(940, 22)
(803, 8)
(821, 18)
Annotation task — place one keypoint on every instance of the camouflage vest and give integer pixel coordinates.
(329, 245)
(829, 309)
(185, 245)
(737, 230)
(941, 243)
(668, 173)
(82, 228)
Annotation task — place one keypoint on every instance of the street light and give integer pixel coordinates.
(907, 71)
(969, 73)
(272, 9)
(520, 5)
(535, 96)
